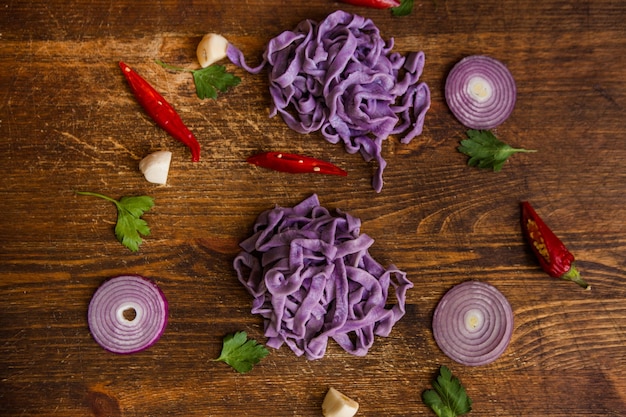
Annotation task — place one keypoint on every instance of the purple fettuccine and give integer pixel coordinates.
(340, 77)
(312, 278)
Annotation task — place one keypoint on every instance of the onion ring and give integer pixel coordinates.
(480, 92)
(127, 314)
(473, 323)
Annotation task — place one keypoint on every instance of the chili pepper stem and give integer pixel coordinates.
(172, 67)
(574, 276)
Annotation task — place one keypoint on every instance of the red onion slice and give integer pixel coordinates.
(473, 323)
(480, 92)
(127, 314)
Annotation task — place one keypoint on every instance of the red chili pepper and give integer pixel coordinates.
(377, 4)
(552, 254)
(160, 111)
(295, 164)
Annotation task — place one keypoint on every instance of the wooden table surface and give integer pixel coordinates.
(68, 122)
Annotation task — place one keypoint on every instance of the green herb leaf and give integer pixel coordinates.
(486, 151)
(404, 9)
(208, 80)
(129, 224)
(212, 78)
(448, 399)
(241, 353)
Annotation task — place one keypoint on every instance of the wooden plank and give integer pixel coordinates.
(68, 122)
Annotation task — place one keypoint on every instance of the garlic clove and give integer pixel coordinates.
(211, 49)
(338, 405)
(156, 166)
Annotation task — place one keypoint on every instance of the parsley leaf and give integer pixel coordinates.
(212, 78)
(241, 353)
(486, 151)
(404, 9)
(208, 80)
(129, 224)
(448, 398)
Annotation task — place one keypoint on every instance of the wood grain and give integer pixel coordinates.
(68, 122)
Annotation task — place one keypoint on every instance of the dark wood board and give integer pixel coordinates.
(68, 122)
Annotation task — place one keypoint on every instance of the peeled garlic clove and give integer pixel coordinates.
(211, 49)
(338, 405)
(156, 166)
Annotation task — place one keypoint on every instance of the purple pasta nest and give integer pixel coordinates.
(312, 278)
(340, 77)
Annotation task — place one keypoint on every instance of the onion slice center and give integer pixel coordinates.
(479, 88)
(474, 319)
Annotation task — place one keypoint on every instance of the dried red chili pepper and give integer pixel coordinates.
(160, 110)
(553, 256)
(295, 164)
(377, 4)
